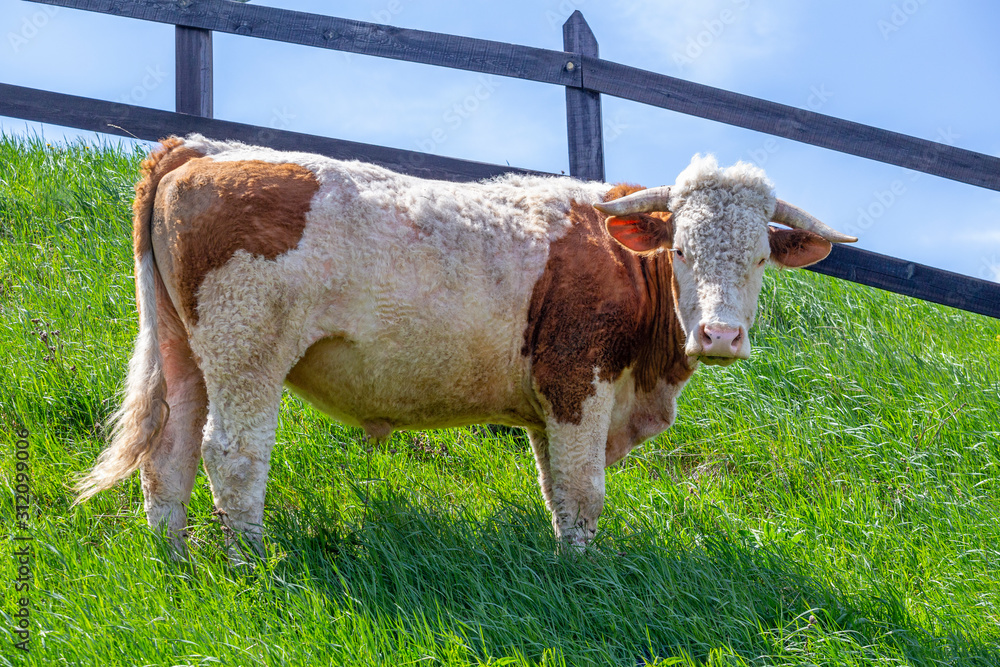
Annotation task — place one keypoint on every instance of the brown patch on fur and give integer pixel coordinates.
(661, 354)
(795, 248)
(598, 305)
(169, 156)
(170, 328)
(209, 210)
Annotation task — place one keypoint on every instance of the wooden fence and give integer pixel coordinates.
(578, 68)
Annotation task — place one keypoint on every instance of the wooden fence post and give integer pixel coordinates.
(583, 107)
(193, 66)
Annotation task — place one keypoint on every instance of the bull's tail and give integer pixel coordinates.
(138, 424)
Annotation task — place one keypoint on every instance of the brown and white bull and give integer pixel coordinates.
(577, 310)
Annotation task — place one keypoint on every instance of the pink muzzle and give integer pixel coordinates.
(718, 340)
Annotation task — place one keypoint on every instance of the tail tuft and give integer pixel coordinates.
(138, 423)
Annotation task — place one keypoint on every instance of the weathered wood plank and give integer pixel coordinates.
(193, 65)
(916, 280)
(283, 25)
(153, 124)
(583, 107)
(798, 124)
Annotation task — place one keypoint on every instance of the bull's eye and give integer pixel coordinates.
(762, 261)
(679, 253)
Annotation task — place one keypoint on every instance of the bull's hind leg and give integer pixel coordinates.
(244, 396)
(247, 338)
(168, 475)
(237, 452)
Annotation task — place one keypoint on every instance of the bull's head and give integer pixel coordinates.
(714, 222)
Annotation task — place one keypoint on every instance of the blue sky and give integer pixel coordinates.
(921, 67)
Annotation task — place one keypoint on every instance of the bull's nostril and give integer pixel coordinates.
(706, 339)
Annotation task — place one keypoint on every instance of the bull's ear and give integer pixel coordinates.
(795, 248)
(640, 232)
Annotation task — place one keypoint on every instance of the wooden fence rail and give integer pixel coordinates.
(578, 68)
(853, 264)
(565, 69)
(154, 124)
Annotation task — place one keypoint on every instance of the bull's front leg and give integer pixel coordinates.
(576, 467)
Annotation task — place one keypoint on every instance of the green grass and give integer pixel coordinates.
(833, 501)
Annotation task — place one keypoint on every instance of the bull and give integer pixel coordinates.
(577, 310)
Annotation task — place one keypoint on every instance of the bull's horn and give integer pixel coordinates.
(644, 201)
(793, 216)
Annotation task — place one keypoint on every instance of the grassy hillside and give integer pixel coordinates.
(833, 501)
